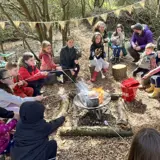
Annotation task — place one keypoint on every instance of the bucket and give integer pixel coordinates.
(129, 88)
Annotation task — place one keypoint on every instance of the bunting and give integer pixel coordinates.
(32, 25)
(90, 20)
(104, 16)
(62, 24)
(77, 21)
(16, 23)
(2, 25)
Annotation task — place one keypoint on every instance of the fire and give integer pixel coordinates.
(100, 92)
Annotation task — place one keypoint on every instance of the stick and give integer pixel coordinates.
(69, 77)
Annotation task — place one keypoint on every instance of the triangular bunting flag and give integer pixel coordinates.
(90, 20)
(62, 24)
(2, 25)
(142, 3)
(48, 25)
(16, 23)
(104, 16)
(117, 12)
(32, 25)
(129, 9)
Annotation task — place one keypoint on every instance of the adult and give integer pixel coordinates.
(145, 145)
(142, 35)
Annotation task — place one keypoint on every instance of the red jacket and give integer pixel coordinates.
(17, 88)
(31, 74)
(47, 61)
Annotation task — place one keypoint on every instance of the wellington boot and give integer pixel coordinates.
(94, 76)
(150, 89)
(155, 93)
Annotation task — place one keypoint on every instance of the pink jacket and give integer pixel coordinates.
(154, 71)
(5, 133)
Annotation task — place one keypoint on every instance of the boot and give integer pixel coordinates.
(94, 76)
(151, 89)
(105, 70)
(155, 93)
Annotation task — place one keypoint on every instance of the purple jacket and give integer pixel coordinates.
(4, 133)
(144, 39)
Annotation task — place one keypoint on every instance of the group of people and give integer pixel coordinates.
(21, 83)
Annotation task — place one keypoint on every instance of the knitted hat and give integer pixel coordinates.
(137, 26)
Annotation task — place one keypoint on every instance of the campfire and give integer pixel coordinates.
(90, 98)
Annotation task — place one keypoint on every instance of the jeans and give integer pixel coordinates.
(156, 80)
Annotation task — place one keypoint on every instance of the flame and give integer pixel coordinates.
(100, 92)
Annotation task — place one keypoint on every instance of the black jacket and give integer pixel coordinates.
(6, 114)
(32, 131)
(92, 51)
(67, 57)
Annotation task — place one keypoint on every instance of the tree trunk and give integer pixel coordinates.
(2, 48)
(83, 3)
(94, 131)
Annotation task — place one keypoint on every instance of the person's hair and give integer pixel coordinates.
(97, 25)
(118, 26)
(11, 65)
(26, 56)
(69, 38)
(145, 145)
(45, 44)
(96, 34)
(4, 86)
(150, 46)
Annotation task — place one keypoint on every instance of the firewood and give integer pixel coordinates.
(119, 71)
(94, 131)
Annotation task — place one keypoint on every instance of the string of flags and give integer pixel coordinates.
(62, 24)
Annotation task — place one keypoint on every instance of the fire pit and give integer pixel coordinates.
(92, 100)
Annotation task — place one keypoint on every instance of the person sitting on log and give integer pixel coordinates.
(117, 40)
(100, 27)
(147, 61)
(69, 58)
(47, 63)
(21, 87)
(31, 140)
(141, 37)
(145, 145)
(7, 99)
(30, 73)
(97, 55)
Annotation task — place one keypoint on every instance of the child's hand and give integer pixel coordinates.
(39, 98)
(44, 73)
(72, 72)
(16, 116)
(20, 83)
(138, 48)
(145, 76)
(59, 68)
(76, 61)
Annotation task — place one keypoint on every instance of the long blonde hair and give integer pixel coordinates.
(45, 44)
(97, 25)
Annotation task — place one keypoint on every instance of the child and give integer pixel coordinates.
(117, 40)
(7, 99)
(145, 145)
(20, 88)
(97, 55)
(32, 131)
(147, 61)
(155, 82)
(30, 73)
(5, 137)
(100, 27)
(47, 63)
(69, 58)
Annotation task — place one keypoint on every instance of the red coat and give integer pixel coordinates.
(33, 75)
(47, 61)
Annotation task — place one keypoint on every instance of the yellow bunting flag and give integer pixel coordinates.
(32, 25)
(90, 20)
(62, 24)
(129, 9)
(48, 25)
(117, 12)
(104, 16)
(142, 3)
(2, 25)
(16, 23)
